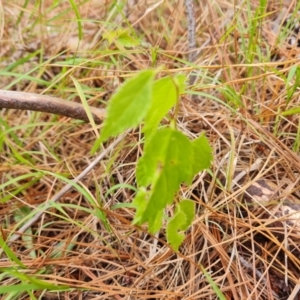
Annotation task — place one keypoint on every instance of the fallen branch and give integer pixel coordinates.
(48, 104)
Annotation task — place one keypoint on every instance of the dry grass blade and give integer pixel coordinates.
(41, 210)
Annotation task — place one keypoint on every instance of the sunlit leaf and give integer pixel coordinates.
(170, 152)
(122, 37)
(182, 219)
(202, 154)
(140, 203)
(128, 107)
(167, 162)
(165, 95)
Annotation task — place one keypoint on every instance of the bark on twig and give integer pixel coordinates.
(48, 104)
(191, 36)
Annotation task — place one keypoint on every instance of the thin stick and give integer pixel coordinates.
(48, 104)
(43, 207)
(191, 36)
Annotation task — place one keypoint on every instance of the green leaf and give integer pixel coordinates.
(76, 11)
(168, 152)
(127, 40)
(181, 220)
(166, 92)
(231, 96)
(140, 203)
(294, 72)
(213, 284)
(292, 111)
(122, 37)
(128, 106)
(180, 80)
(25, 287)
(202, 154)
(167, 162)
(38, 283)
(85, 104)
(9, 253)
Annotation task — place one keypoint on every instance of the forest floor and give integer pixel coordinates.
(244, 240)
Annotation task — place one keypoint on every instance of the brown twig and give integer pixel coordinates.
(48, 104)
(191, 36)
